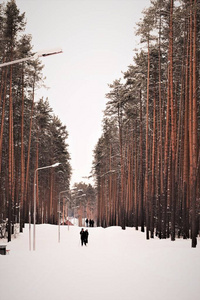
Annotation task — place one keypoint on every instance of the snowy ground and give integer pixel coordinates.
(115, 265)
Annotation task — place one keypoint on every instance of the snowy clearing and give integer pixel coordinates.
(115, 265)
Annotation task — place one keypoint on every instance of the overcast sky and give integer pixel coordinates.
(97, 38)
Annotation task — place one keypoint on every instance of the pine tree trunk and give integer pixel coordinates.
(136, 184)
(4, 89)
(26, 204)
(122, 204)
(153, 168)
(194, 134)
(166, 163)
(186, 153)
(141, 169)
(147, 151)
(173, 127)
(10, 158)
(22, 158)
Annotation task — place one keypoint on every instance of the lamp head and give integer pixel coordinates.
(48, 52)
(55, 165)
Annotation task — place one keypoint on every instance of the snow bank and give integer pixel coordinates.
(115, 265)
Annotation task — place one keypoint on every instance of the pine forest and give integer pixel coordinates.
(146, 162)
(31, 136)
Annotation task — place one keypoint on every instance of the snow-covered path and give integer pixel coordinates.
(115, 265)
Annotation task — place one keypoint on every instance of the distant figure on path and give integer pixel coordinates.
(91, 223)
(86, 221)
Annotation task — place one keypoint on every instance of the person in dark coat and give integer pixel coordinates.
(86, 236)
(82, 234)
(86, 222)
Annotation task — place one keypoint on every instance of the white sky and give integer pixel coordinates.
(97, 38)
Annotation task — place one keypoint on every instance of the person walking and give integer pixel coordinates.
(86, 222)
(86, 236)
(82, 234)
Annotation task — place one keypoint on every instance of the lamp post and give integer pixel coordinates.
(34, 211)
(59, 214)
(15, 227)
(68, 211)
(35, 56)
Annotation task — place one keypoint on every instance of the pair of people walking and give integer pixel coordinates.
(84, 236)
(90, 222)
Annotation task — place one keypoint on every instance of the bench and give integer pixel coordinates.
(3, 249)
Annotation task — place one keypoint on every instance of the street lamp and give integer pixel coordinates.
(35, 56)
(59, 214)
(68, 211)
(34, 212)
(16, 206)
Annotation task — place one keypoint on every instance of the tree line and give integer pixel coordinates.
(146, 163)
(31, 136)
(83, 198)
